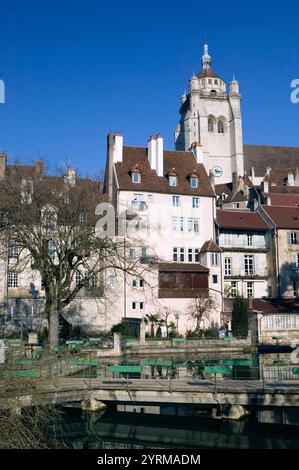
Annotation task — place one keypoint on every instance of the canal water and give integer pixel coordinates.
(179, 427)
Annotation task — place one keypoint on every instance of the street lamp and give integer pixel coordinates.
(177, 316)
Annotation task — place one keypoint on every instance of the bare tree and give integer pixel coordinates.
(50, 221)
(200, 308)
(167, 315)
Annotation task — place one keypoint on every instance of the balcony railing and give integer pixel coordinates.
(242, 244)
(245, 273)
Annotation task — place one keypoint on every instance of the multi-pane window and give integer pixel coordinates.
(83, 216)
(49, 219)
(194, 182)
(293, 238)
(175, 201)
(183, 224)
(14, 249)
(214, 259)
(12, 279)
(137, 305)
(190, 255)
(215, 279)
(78, 278)
(233, 289)
(112, 281)
(172, 180)
(150, 198)
(283, 322)
(294, 288)
(227, 266)
(137, 282)
(131, 253)
(195, 202)
(52, 249)
(249, 239)
(249, 289)
(220, 127)
(136, 177)
(249, 265)
(211, 125)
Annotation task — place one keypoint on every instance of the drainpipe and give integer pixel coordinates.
(277, 262)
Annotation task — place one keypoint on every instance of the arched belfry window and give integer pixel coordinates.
(220, 127)
(211, 125)
(213, 92)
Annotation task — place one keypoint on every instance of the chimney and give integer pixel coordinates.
(268, 201)
(235, 182)
(3, 160)
(118, 147)
(108, 182)
(291, 181)
(297, 177)
(268, 170)
(70, 177)
(159, 144)
(152, 152)
(39, 169)
(265, 185)
(196, 148)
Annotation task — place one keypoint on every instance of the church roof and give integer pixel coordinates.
(280, 159)
(207, 73)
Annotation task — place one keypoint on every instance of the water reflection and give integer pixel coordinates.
(123, 430)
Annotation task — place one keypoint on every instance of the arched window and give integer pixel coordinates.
(211, 125)
(220, 127)
(213, 92)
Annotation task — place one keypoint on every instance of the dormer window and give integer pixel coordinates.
(172, 177)
(136, 175)
(194, 182)
(172, 180)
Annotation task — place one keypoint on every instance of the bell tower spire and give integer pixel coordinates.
(206, 60)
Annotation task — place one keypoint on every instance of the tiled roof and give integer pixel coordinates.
(283, 199)
(183, 162)
(183, 267)
(237, 219)
(283, 159)
(227, 188)
(283, 217)
(272, 306)
(210, 246)
(207, 73)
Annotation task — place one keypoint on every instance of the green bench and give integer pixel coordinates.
(37, 353)
(21, 362)
(15, 343)
(229, 338)
(224, 370)
(85, 362)
(75, 346)
(125, 369)
(21, 373)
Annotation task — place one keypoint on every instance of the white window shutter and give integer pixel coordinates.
(294, 261)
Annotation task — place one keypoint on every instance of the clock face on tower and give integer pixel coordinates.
(217, 171)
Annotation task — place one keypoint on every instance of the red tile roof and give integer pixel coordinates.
(283, 217)
(207, 73)
(283, 199)
(183, 162)
(272, 306)
(210, 246)
(183, 267)
(239, 220)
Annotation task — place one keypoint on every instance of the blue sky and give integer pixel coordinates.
(73, 70)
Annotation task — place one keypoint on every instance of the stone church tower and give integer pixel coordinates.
(212, 117)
